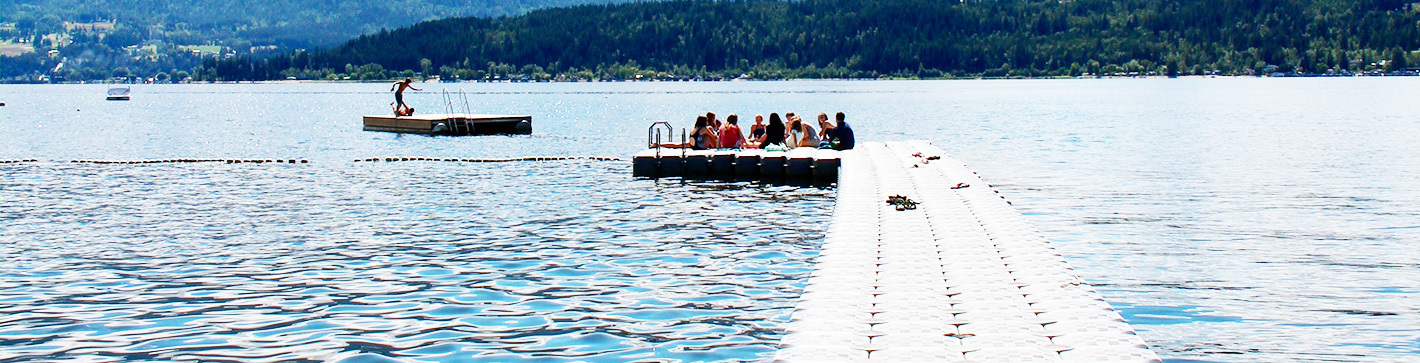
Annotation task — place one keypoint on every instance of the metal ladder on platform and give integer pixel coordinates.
(449, 99)
(653, 137)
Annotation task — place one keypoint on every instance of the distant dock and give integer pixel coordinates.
(453, 124)
(960, 277)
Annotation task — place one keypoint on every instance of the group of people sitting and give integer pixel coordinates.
(710, 133)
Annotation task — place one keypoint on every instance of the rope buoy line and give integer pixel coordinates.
(165, 161)
(304, 161)
(498, 160)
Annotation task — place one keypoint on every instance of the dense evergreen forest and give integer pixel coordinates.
(119, 38)
(878, 38)
(764, 39)
(290, 23)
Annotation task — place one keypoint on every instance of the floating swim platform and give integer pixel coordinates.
(455, 124)
(737, 164)
(960, 276)
(119, 93)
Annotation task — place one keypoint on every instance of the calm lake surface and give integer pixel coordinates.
(1227, 219)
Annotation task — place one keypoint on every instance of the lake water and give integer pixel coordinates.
(1227, 219)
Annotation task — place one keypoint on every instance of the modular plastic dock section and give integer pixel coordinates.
(963, 277)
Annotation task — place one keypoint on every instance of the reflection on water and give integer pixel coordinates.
(1164, 315)
(552, 261)
(1228, 219)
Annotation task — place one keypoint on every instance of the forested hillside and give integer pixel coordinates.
(875, 38)
(104, 38)
(767, 39)
(296, 23)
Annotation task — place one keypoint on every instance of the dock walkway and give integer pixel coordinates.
(963, 277)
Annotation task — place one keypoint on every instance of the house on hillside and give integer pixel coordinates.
(98, 26)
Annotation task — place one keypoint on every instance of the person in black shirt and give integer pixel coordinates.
(843, 134)
(774, 133)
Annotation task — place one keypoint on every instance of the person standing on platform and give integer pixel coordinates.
(398, 88)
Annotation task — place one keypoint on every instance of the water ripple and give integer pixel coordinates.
(558, 261)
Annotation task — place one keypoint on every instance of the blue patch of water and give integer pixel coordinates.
(1165, 315)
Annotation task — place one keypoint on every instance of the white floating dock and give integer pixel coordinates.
(961, 278)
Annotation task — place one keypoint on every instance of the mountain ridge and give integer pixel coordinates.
(98, 39)
(768, 39)
(888, 38)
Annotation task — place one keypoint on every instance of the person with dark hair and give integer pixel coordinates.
(703, 135)
(774, 132)
(842, 134)
(730, 136)
(714, 125)
(402, 111)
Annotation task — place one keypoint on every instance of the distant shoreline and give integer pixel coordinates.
(436, 81)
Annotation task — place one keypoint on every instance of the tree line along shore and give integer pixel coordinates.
(858, 39)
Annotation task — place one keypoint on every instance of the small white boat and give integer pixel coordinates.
(119, 94)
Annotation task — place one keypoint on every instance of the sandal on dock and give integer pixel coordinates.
(902, 203)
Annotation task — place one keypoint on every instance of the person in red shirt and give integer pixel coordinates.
(730, 135)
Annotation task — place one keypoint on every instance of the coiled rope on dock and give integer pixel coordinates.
(493, 160)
